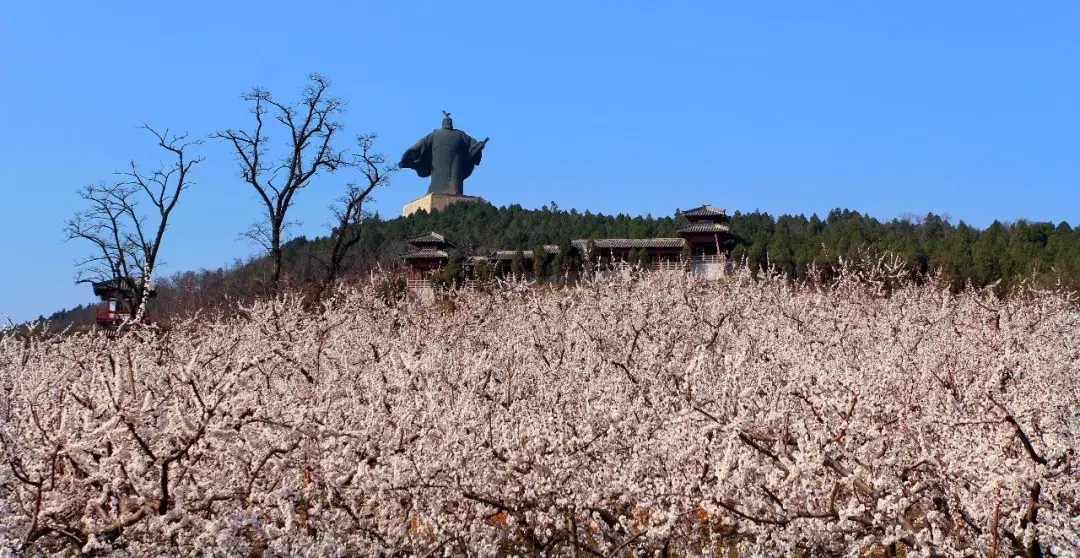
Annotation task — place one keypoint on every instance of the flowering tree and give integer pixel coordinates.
(648, 413)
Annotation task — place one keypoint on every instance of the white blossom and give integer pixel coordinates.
(632, 415)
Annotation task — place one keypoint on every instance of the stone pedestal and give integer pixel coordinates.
(432, 202)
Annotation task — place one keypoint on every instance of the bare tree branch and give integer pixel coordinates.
(127, 242)
(349, 213)
(311, 131)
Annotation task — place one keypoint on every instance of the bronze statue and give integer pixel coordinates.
(447, 155)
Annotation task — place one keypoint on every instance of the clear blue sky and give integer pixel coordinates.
(962, 108)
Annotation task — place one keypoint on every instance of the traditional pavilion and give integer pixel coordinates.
(427, 253)
(707, 235)
(709, 231)
(116, 297)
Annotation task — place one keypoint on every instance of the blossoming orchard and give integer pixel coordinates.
(645, 414)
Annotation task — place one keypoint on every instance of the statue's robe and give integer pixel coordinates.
(447, 156)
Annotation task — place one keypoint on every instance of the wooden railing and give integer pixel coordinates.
(651, 266)
(417, 284)
(108, 318)
(113, 318)
(666, 266)
(413, 284)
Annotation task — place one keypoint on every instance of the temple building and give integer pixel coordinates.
(701, 241)
(707, 235)
(116, 296)
(619, 249)
(501, 260)
(709, 231)
(427, 253)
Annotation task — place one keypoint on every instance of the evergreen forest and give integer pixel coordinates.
(1001, 255)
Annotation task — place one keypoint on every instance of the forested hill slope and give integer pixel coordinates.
(1005, 252)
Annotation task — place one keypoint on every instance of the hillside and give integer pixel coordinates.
(1004, 253)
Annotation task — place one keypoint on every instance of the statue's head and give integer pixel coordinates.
(447, 123)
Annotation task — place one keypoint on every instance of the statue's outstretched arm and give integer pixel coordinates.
(476, 150)
(418, 157)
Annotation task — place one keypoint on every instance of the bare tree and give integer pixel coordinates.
(349, 213)
(127, 241)
(311, 128)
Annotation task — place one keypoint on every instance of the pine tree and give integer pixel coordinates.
(558, 263)
(517, 265)
(539, 263)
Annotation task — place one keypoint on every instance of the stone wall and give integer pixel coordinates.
(432, 202)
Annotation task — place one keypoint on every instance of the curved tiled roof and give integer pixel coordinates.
(705, 228)
(116, 286)
(705, 211)
(430, 238)
(509, 254)
(607, 243)
(426, 255)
